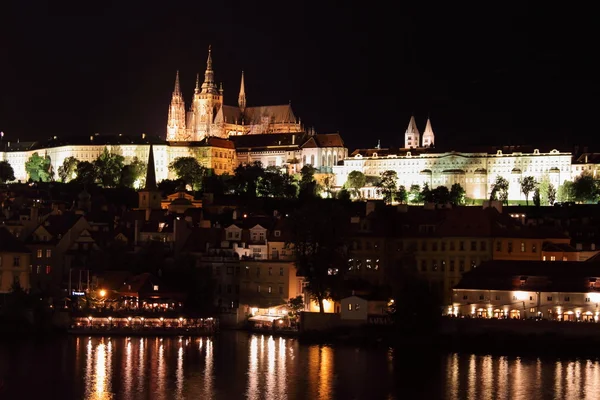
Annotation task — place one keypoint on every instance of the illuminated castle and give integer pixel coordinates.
(209, 116)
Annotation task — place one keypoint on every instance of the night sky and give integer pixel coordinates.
(516, 74)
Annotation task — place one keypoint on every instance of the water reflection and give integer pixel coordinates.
(238, 365)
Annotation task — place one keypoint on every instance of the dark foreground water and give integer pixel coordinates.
(236, 365)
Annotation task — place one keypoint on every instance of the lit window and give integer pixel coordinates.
(39, 253)
(522, 247)
(48, 253)
(357, 307)
(38, 269)
(349, 306)
(552, 258)
(258, 288)
(155, 288)
(48, 269)
(270, 289)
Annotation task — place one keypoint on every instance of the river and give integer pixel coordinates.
(237, 365)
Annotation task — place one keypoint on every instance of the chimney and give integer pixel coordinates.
(34, 215)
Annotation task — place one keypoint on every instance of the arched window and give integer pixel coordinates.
(304, 160)
(323, 160)
(312, 159)
(335, 159)
(329, 161)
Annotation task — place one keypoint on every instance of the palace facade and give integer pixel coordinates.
(420, 163)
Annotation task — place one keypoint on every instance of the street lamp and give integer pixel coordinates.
(102, 293)
(110, 321)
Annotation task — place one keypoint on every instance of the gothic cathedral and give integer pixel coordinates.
(208, 116)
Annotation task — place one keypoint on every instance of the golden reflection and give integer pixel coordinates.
(519, 380)
(161, 371)
(253, 392)
(325, 372)
(558, 375)
(99, 378)
(208, 368)
(179, 372)
(281, 365)
(472, 378)
(89, 368)
(270, 383)
(128, 368)
(502, 388)
(141, 366)
(487, 376)
(592, 373)
(453, 382)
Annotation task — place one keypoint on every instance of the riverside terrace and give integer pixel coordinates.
(128, 323)
(558, 291)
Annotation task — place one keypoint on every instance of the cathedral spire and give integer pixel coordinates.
(412, 136)
(176, 118)
(242, 96)
(428, 135)
(150, 172)
(177, 90)
(209, 76)
(197, 89)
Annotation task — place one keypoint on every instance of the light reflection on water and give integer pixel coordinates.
(238, 365)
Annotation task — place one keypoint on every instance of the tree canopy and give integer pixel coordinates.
(356, 181)
(39, 168)
(108, 167)
(500, 190)
(7, 173)
(319, 229)
(528, 184)
(68, 169)
(189, 170)
(388, 185)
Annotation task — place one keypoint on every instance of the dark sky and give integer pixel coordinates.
(511, 74)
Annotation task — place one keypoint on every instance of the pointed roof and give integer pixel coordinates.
(242, 87)
(177, 90)
(412, 126)
(428, 128)
(197, 89)
(151, 172)
(209, 76)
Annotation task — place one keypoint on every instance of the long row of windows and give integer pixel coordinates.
(522, 247)
(40, 253)
(441, 266)
(231, 270)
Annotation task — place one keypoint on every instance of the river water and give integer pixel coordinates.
(237, 365)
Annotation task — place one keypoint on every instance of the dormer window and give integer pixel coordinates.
(277, 233)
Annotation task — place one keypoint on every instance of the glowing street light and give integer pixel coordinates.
(102, 293)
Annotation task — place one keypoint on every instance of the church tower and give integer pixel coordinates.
(412, 136)
(428, 136)
(149, 196)
(207, 102)
(242, 96)
(176, 120)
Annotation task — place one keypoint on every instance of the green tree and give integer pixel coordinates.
(295, 304)
(440, 195)
(39, 168)
(457, 194)
(585, 188)
(189, 170)
(500, 190)
(67, 170)
(328, 186)
(536, 197)
(543, 185)
(414, 194)
(133, 172)
(402, 195)
(551, 194)
(309, 188)
(528, 184)
(356, 181)
(319, 231)
(7, 173)
(566, 192)
(271, 183)
(426, 194)
(108, 168)
(246, 178)
(85, 173)
(388, 185)
(344, 195)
